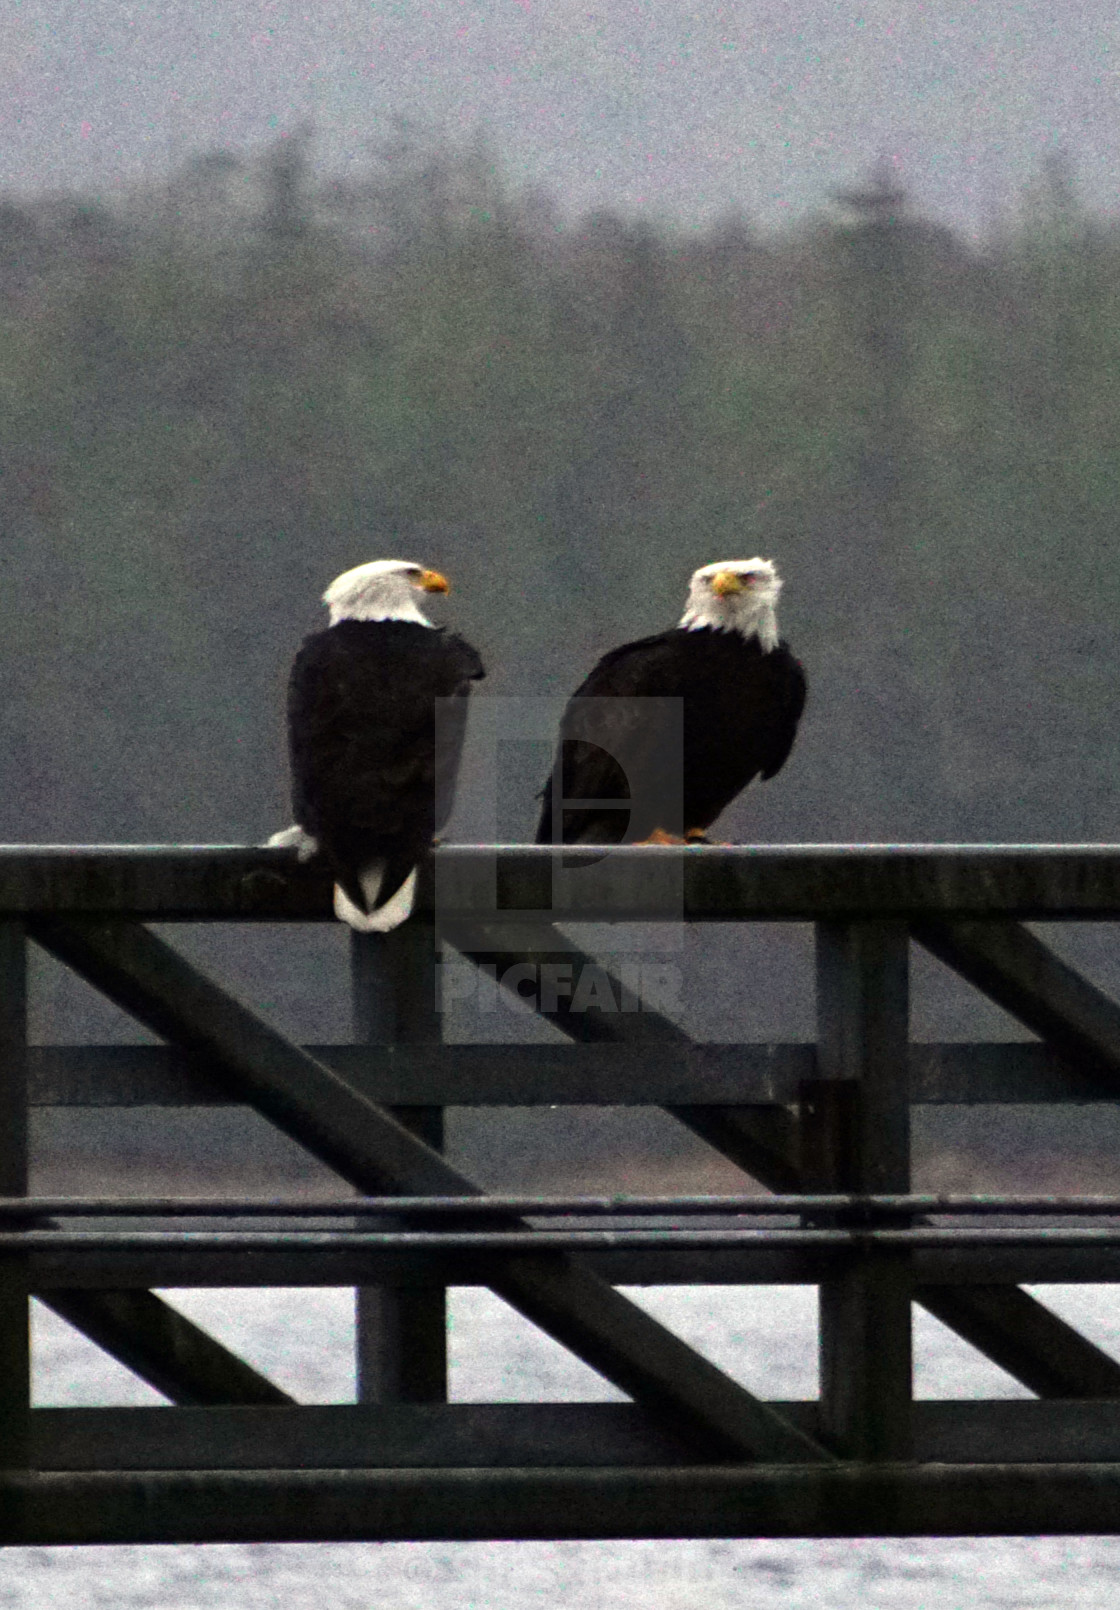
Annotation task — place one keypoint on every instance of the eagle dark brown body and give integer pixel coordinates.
(373, 772)
(736, 720)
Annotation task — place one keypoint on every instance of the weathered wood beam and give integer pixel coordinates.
(166, 881)
(13, 1059)
(1015, 1071)
(604, 1074)
(863, 1012)
(511, 1435)
(761, 1140)
(375, 1152)
(752, 1137)
(149, 979)
(400, 1333)
(512, 884)
(847, 1499)
(1026, 1339)
(501, 884)
(470, 1075)
(1014, 968)
(353, 1436)
(524, 951)
(970, 1267)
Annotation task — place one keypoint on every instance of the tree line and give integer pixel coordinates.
(217, 396)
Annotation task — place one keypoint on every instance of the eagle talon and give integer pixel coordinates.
(659, 836)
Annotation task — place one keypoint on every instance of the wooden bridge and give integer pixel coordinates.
(826, 1126)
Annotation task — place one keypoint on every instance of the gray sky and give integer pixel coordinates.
(682, 108)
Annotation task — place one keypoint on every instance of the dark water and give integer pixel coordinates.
(764, 1336)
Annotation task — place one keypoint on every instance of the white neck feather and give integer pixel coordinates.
(713, 614)
(380, 609)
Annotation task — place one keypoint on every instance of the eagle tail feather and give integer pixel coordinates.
(377, 919)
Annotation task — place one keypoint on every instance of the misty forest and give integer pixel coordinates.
(216, 397)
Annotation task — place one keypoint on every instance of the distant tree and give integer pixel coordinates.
(285, 173)
(730, 241)
(198, 201)
(879, 290)
(1056, 190)
(424, 193)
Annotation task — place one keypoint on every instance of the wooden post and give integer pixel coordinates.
(15, 1352)
(857, 1128)
(400, 1332)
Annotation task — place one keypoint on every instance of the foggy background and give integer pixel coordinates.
(212, 402)
(565, 302)
(222, 386)
(680, 108)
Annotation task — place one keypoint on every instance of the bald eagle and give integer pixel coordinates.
(741, 695)
(373, 770)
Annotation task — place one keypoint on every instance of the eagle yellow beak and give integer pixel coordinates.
(432, 582)
(726, 582)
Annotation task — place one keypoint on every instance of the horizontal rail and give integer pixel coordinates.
(575, 1206)
(216, 882)
(348, 1265)
(519, 884)
(548, 1075)
(842, 1241)
(761, 1500)
(800, 882)
(356, 1436)
(504, 1435)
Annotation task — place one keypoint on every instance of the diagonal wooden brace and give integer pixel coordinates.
(366, 1145)
(163, 1347)
(1014, 968)
(760, 1140)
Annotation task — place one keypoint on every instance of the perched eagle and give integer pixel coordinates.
(373, 769)
(741, 695)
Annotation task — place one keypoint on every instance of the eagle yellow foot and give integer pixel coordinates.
(697, 835)
(659, 836)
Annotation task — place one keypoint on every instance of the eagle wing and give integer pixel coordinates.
(615, 746)
(789, 695)
(739, 706)
(451, 726)
(372, 769)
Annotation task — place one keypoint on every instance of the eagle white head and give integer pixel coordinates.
(384, 590)
(735, 595)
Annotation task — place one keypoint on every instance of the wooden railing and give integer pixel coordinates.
(694, 1452)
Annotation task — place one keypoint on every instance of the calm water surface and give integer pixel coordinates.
(763, 1336)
